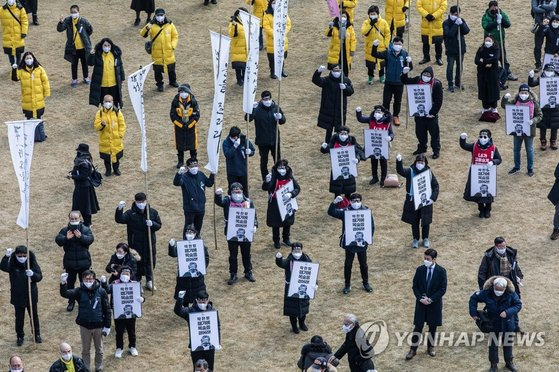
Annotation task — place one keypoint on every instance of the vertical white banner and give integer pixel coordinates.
(251, 26)
(280, 28)
(220, 55)
(136, 93)
(21, 135)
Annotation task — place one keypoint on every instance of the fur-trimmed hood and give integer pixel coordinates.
(488, 285)
(134, 253)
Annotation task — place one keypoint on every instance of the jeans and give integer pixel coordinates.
(450, 61)
(79, 56)
(364, 268)
(529, 144)
(96, 335)
(263, 150)
(417, 332)
(389, 91)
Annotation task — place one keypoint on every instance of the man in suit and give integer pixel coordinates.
(240, 237)
(429, 287)
(205, 344)
(483, 192)
(302, 293)
(192, 271)
(420, 110)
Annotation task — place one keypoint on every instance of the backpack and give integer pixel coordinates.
(95, 177)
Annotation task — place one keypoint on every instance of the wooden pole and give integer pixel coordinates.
(29, 296)
(149, 235)
(276, 157)
(408, 49)
(342, 49)
(459, 48)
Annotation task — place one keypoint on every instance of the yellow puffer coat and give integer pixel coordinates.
(34, 88)
(268, 25)
(334, 48)
(349, 7)
(238, 42)
(111, 134)
(432, 30)
(11, 29)
(258, 8)
(393, 12)
(381, 31)
(163, 49)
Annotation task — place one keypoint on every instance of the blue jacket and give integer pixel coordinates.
(543, 9)
(193, 190)
(394, 63)
(235, 157)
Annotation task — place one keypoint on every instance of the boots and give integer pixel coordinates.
(35, 20)
(543, 144)
(293, 321)
(180, 157)
(137, 21)
(107, 168)
(554, 234)
(553, 144)
(302, 324)
(494, 367)
(509, 364)
(115, 168)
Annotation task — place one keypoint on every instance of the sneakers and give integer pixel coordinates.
(396, 121)
(415, 244)
(426, 243)
(514, 170)
(439, 62)
(530, 173)
(554, 234)
(373, 180)
(382, 79)
(370, 80)
(250, 277)
(451, 89)
(424, 60)
(74, 83)
(38, 339)
(512, 77)
(233, 279)
(160, 88)
(118, 353)
(367, 287)
(19, 341)
(87, 81)
(273, 76)
(286, 242)
(553, 144)
(174, 84)
(133, 351)
(346, 289)
(150, 286)
(283, 73)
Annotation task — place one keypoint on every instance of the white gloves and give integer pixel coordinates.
(489, 163)
(358, 109)
(499, 18)
(237, 142)
(531, 73)
(182, 170)
(286, 196)
(507, 96)
(149, 223)
(181, 294)
(278, 115)
(121, 204)
(14, 66)
(324, 145)
(278, 255)
(9, 252)
(342, 86)
(172, 242)
(63, 278)
(408, 59)
(376, 42)
(103, 279)
(531, 122)
(29, 272)
(219, 191)
(330, 24)
(399, 157)
(355, 160)
(463, 135)
(254, 230)
(248, 151)
(140, 300)
(338, 199)
(254, 104)
(106, 331)
(321, 68)
(268, 177)
(388, 139)
(405, 70)
(429, 202)
(458, 21)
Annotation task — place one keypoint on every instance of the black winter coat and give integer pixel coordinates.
(354, 354)
(185, 116)
(431, 314)
(84, 30)
(76, 251)
(409, 213)
(330, 100)
(96, 60)
(273, 217)
(550, 117)
(265, 123)
(335, 212)
(553, 195)
(236, 157)
(491, 266)
(292, 306)
(19, 295)
(310, 352)
(340, 185)
(450, 32)
(184, 312)
(488, 84)
(79, 365)
(84, 198)
(224, 203)
(147, 6)
(551, 35)
(94, 310)
(189, 284)
(193, 190)
(496, 160)
(130, 259)
(436, 89)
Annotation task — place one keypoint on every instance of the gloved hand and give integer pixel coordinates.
(278, 116)
(63, 278)
(405, 70)
(9, 252)
(376, 42)
(429, 17)
(182, 170)
(408, 59)
(237, 142)
(140, 300)
(106, 331)
(355, 160)
(342, 86)
(29, 272)
(248, 151)
(531, 73)
(399, 157)
(103, 279)
(181, 294)
(121, 204)
(388, 139)
(286, 196)
(14, 66)
(321, 68)
(358, 109)
(531, 122)
(149, 223)
(219, 191)
(324, 145)
(330, 24)
(429, 202)
(338, 199)
(507, 96)
(268, 177)
(499, 18)
(254, 229)
(279, 255)
(458, 21)
(254, 104)
(463, 135)
(172, 242)
(489, 163)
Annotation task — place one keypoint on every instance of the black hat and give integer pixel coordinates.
(184, 88)
(190, 161)
(549, 67)
(486, 131)
(159, 11)
(140, 196)
(192, 228)
(236, 186)
(202, 295)
(21, 249)
(454, 9)
(266, 94)
(83, 147)
(234, 132)
(524, 87)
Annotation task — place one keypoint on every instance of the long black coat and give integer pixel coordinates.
(186, 138)
(76, 251)
(19, 295)
(292, 306)
(436, 90)
(147, 6)
(431, 314)
(354, 352)
(273, 217)
(96, 60)
(491, 266)
(191, 285)
(409, 213)
(330, 100)
(84, 198)
(265, 123)
(496, 160)
(450, 33)
(553, 195)
(340, 185)
(84, 31)
(488, 85)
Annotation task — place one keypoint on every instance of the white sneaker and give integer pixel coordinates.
(495, 110)
(133, 351)
(426, 243)
(118, 353)
(415, 244)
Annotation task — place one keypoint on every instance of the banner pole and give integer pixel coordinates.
(459, 48)
(342, 49)
(149, 235)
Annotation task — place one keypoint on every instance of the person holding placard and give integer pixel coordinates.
(488, 91)
(353, 249)
(542, 11)
(432, 12)
(268, 27)
(294, 307)
(236, 200)
(550, 110)
(375, 28)
(236, 148)
(238, 46)
(454, 29)
(123, 256)
(524, 98)
(342, 43)
(185, 115)
(424, 214)
(281, 179)
(429, 124)
(189, 283)
(484, 152)
(380, 119)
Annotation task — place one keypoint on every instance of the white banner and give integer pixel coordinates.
(289, 206)
(240, 224)
(419, 99)
(517, 119)
(21, 135)
(342, 160)
(421, 184)
(303, 280)
(220, 55)
(126, 305)
(376, 145)
(483, 181)
(204, 330)
(136, 93)
(550, 58)
(191, 258)
(251, 26)
(280, 28)
(549, 92)
(358, 227)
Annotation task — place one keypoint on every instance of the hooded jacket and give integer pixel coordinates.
(436, 89)
(490, 26)
(14, 28)
(372, 31)
(185, 115)
(111, 128)
(334, 48)
(395, 63)
(96, 60)
(35, 87)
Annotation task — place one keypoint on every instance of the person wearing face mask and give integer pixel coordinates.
(78, 43)
(35, 87)
(267, 115)
(525, 97)
(139, 6)
(429, 124)
(429, 287)
(185, 115)
(453, 26)
(84, 198)
(15, 364)
(542, 10)
(108, 73)
(268, 27)
(488, 91)
(395, 15)
(123, 256)
(238, 200)
(294, 307)
(75, 238)
(15, 264)
(94, 314)
(193, 185)
(550, 111)
(484, 152)
(550, 31)
(239, 46)
(138, 226)
(423, 215)
(352, 249)
(110, 125)
(164, 38)
(14, 22)
(190, 284)
(281, 175)
(342, 43)
(237, 149)
(68, 361)
(501, 260)
(432, 13)
(501, 306)
(375, 28)
(356, 346)
(202, 304)
(333, 99)
(380, 119)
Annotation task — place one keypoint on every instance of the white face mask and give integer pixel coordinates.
(336, 74)
(141, 205)
(16, 370)
(74, 223)
(190, 236)
(419, 166)
(453, 18)
(88, 285)
(267, 103)
(29, 61)
(549, 73)
(183, 95)
(498, 293)
(125, 278)
(501, 251)
(344, 20)
(107, 105)
(378, 115)
(347, 328)
(427, 263)
(397, 47)
(193, 170)
(282, 171)
(160, 18)
(483, 141)
(66, 357)
(373, 16)
(523, 96)
(11, 2)
(21, 259)
(202, 306)
(106, 49)
(554, 24)
(237, 197)
(426, 78)
(343, 137)
(297, 255)
(488, 44)
(120, 256)
(356, 205)
(75, 15)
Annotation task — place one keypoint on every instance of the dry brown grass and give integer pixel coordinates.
(255, 334)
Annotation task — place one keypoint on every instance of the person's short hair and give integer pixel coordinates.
(355, 196)
(342, 128)
(202, 295)
(397, 39)
(240, 229)
(499, 240)
(484, 186)
(296, 245)
(360, 233)
(422, 157)
(190, 161)
(345, 168)
(234, 131)
(266, 94)
(493, 3)
(373, 9)
(303, 286)
(74, 6)
(421, 105)
(124, 246)
(236, 186)
(454, 9)
(431, 253)
(21, 249)
(201, 363)
(205, 337)
(352, 318)
(316, 339)
(140, 196)
(193, 264)
(75, 212)
(88, 273)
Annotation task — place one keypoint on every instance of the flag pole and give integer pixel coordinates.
(341, 63)
(276, 157)
(408, 50)
(247, 115)
(217, 76)
(459, 47)
(149, 235)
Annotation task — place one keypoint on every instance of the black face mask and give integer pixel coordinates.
(493, 11)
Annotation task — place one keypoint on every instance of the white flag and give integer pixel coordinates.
(136, 93)
(280, 27)
(220, 54)
(251, 26)
(21, 135)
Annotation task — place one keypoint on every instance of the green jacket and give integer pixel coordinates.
(489, 24)
(537, 111)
